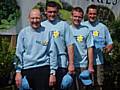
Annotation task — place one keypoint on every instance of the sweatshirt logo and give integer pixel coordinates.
(56, 34)
(80, 38)
(95, 33)
(44, 43)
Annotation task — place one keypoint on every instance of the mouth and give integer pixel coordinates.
(52, 18)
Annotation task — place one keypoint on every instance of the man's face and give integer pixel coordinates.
(77, 18)
(92, 15)
(51, 13)
(35, 18)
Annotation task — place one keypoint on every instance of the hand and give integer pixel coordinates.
(18, 79)
(108, 48)
(91, 69)
(71, 69)
(52, 80)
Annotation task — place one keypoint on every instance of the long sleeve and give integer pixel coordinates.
(53, 56)
(19, 52)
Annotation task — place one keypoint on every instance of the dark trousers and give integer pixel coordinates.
(59, 76)
(61, 72)
(38, 78)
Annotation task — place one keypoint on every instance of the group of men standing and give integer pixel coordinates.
(50, 49)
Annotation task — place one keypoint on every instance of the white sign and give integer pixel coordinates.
(114, 5)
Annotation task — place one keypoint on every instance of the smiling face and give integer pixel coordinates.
(92, 14)
(76, 18)
(51, 13)
(35, 18)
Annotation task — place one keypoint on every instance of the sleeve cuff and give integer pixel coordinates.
(52, 72)
(18, 70)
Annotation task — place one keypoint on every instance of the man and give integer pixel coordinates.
(102, 41)
(83, 47)
(36, 55)
(63, 40)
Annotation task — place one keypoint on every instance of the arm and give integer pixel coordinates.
(19, 52)
(90, 58)
(53, 63)
(90, 44)
(71, 67)
(69, 39)
(18, 59)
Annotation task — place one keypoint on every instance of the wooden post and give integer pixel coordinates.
(12, 42)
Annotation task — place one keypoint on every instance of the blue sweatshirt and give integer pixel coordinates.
(35, 48)
(101, 37)
(63, 38)
(83, 41)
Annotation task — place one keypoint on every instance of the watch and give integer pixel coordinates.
(53, 72)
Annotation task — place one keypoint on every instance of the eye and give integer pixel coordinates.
(77, 16)
(52, 11)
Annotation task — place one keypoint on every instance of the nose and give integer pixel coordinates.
(34, 20)
(52, 13)
(77, 17)
(93, 15)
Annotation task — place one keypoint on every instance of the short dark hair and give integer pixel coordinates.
(92, 6)
(53, 4)
(78, 9)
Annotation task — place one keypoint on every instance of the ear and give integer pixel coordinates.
(45, 11)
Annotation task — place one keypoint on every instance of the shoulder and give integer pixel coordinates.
(24, 29)
(63, 22)
(101, 24)
(71, 26)
(84, 26)
(44, 22)
(84, 23)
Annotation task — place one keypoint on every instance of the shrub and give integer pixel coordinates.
(6, 60)
(9, 13)
(113, 59)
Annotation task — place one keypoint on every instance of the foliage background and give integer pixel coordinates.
(6, 61)
(9, 14)
(112, 70)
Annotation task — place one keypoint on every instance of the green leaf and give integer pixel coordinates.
(3, 27)
(13, 22)
(4, 21)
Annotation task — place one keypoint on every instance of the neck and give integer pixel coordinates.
(76, 26)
